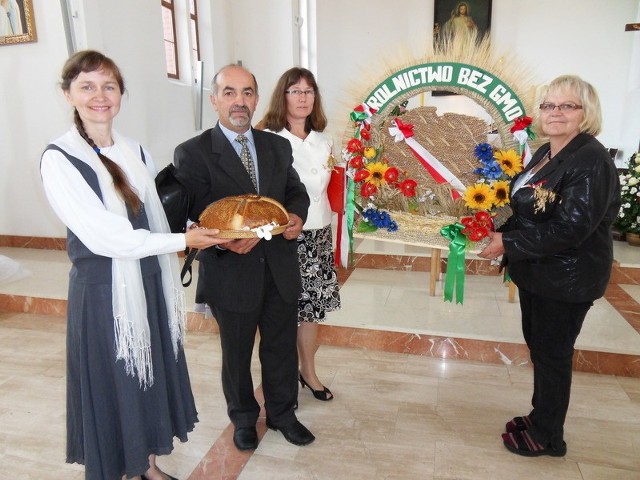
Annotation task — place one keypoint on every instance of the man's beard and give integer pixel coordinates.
(240, 121)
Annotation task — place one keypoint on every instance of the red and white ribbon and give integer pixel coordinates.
(441, 174)
(522, 138)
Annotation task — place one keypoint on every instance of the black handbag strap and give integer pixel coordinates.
(187, 268)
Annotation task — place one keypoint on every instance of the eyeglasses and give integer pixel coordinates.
(297, 93)
(564, 107)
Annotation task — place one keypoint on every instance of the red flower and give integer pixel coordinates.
(466, 221)
(368, 189)
(521, 123)
(478, 226)
(408, 187)
(354, 146)
(356, 162)
(478, 234)
(364, 133)
(484, 218)
(391, 175)
(360, 175)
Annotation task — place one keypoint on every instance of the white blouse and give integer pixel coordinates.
(103, 232)
(310, 159)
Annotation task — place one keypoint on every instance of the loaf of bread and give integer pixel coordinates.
(244, 216)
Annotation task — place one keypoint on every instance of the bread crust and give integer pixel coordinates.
(243, 213)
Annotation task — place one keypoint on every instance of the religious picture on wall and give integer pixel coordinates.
(455, 19)
(16, 22)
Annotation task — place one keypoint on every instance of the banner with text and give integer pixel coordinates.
(439, 76)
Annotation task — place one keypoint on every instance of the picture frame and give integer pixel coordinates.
(455, 17)
(17, 24)
(447, 21)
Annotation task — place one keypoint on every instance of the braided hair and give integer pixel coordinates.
(91, 61)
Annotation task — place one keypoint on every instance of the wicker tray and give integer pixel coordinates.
(248, 233)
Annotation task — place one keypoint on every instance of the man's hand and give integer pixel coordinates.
(294, 228)
(242, 245)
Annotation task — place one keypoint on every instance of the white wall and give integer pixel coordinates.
(357, 41)
(586, 38)
(583, 37)
(32, 112)
(156, 111)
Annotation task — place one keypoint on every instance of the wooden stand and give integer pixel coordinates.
(434, 275)
(435, 270)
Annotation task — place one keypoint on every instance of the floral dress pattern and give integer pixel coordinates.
(320, 291)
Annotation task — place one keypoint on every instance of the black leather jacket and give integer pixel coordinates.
(564, 250)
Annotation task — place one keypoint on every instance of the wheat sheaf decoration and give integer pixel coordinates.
(404, 155)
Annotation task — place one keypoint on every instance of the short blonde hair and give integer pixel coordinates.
(592, 122)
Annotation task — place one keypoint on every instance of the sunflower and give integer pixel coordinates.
(479, 196)
(377, 171)
(500, 193)
(510, 161)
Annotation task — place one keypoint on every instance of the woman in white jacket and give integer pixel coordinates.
(296, 113)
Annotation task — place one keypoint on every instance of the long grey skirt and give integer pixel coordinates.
(113, 425)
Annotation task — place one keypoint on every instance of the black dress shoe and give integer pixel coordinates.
(295, 433)
(245, 438)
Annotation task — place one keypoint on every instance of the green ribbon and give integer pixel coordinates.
(350, 213)
(454, 278)
(358, 116)
(530, 133)
(366, 227)
(506, 277)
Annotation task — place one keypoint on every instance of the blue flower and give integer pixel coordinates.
(484, 152)
(379, 218)
(492, 171)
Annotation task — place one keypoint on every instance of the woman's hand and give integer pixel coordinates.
(198, 237)
(495, 248)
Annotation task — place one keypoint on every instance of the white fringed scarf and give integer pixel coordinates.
(131, 325)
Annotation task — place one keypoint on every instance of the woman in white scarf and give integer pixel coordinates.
(128, 389)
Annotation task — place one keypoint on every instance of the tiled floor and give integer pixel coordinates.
(395, 415)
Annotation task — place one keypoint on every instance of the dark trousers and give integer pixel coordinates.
(276, 321)
(550, 328)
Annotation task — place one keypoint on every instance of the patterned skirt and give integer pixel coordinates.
(320, 291)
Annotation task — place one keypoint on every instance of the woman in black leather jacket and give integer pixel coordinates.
(558, 250)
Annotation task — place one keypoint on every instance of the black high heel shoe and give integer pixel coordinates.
(325, 395)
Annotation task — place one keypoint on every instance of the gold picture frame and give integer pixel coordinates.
(17, 24)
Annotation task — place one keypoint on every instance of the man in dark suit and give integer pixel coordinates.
(250, 284)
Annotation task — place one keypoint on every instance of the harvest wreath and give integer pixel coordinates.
(415, 175)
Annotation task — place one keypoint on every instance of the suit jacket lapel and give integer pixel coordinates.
(226, 157)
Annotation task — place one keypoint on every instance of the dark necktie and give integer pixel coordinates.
(245, 156)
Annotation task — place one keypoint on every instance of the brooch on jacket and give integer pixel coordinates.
(542, 196)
